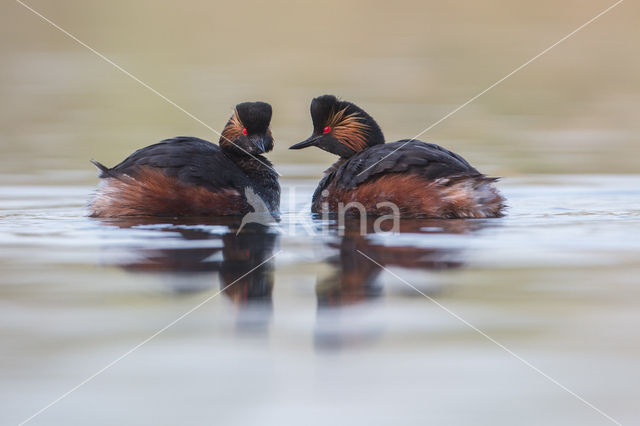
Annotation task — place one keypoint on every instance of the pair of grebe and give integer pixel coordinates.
(187, 176)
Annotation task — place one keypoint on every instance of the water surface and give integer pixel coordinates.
(319, 327)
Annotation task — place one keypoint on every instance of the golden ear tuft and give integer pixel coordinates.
(348, 129)
(232, 130)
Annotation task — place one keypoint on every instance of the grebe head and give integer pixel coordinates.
(341, 127)
(247, 131)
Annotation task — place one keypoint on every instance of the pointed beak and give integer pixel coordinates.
(258, 143)
(306, 143)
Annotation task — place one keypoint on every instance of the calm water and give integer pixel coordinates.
(319, 328)
(317, 333)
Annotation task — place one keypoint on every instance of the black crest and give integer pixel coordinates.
(341, 127)
(255, 116)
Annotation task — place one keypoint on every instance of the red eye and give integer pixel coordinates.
(326, 130)
(244, 131)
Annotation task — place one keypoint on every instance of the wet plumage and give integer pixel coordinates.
(421, 179)
(187, 176)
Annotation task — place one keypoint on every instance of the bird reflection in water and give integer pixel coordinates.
(242, 262)
(354, 279)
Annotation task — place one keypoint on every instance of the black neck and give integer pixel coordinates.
(263, 176)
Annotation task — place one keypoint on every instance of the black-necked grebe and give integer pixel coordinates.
(421, 179)
(187, 176)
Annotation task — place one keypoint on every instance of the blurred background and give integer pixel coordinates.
(574, 110)
(319, 334)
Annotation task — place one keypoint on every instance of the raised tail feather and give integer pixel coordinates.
(104, 170)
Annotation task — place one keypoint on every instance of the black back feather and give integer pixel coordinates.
(406, 156)
(191, 160)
